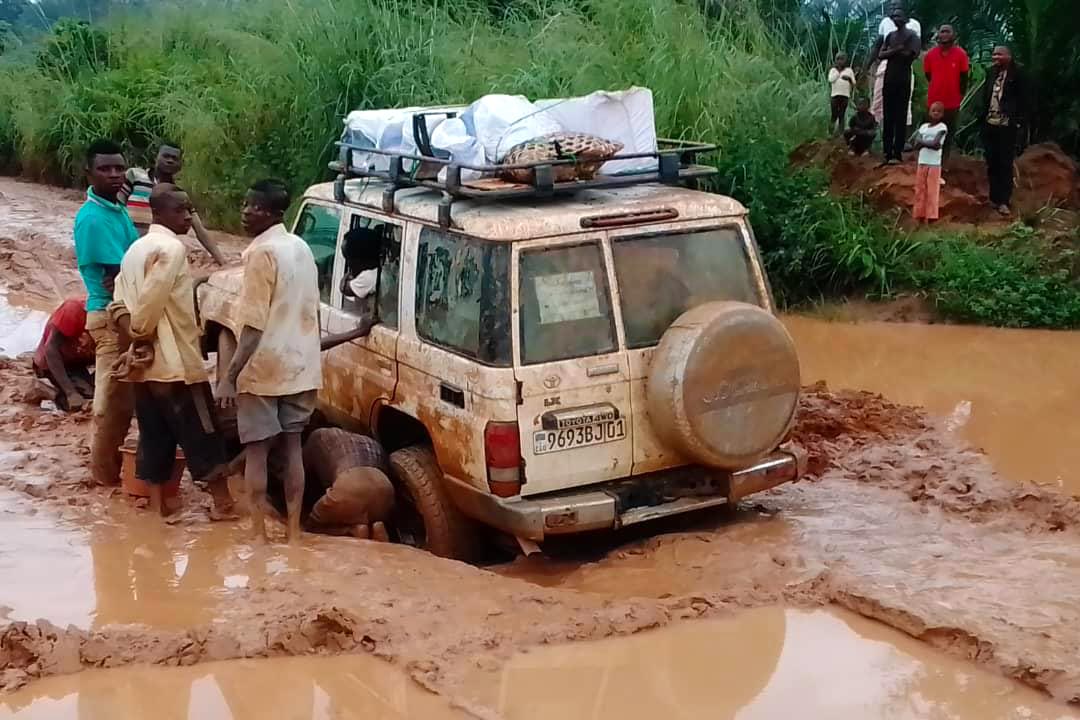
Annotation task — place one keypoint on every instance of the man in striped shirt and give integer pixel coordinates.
(139, 183)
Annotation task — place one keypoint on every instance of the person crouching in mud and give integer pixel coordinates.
(154, 315)
(275, 372)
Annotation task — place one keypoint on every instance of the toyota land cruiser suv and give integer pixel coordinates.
(544, 367)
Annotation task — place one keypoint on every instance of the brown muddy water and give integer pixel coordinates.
(1013, 393)
(905, 526)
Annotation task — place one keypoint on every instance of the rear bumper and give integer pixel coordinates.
(625, 502)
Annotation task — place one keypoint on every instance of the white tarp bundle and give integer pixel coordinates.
(486, 130)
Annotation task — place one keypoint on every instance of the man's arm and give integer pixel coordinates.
(260, 278)
(361, 330)
(158, 284)
(245, 348)
(55, 360)
(204, 239)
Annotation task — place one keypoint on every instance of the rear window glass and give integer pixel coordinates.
(565, 304)
(462, 298)
(663, 276)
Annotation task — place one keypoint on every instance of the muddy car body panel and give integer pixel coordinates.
(558, 374)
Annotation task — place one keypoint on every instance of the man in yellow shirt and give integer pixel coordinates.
(276, 372)
(154, 308)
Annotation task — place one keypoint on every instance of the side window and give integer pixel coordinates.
(462, 298)
(372, 252)
(318, 226)
(565, 304)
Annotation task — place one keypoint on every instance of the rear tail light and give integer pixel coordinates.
(502, 448)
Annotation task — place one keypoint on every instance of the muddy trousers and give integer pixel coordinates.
(895, 97)
(114, 404)
(999, 146)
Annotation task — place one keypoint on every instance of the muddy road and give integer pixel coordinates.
(906, 578)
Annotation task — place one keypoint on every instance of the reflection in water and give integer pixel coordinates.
(343, 688)
(1013, 393)
(138, 570)
(761, 664)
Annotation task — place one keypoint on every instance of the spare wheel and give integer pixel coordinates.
(724, 384)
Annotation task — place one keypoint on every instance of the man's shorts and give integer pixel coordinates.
(259, 417)
(172, 413)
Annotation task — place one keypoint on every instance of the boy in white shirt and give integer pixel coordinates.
(841, 84)
(929, 139)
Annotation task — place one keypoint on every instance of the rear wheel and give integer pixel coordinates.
(425, 517)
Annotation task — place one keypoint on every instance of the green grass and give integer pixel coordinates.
(258, 88)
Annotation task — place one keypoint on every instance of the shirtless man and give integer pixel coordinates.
(275, 372)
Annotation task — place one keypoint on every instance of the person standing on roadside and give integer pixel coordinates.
(1003, 113)
(885, 28)
(901, 48)
(947, 69)
(275, 372)
(155, 307)
(139, 183)
(103, 233)
(841, 86)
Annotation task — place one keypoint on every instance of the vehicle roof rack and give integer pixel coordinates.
(676, 164)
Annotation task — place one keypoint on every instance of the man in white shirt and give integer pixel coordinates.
(275, 372)
(885, 27)
(154, 312)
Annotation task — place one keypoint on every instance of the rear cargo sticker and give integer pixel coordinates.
(567, 297)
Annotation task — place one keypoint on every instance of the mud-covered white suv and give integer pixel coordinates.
(555, 366)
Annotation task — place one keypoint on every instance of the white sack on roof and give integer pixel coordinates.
(486, 130)
(502, 121)
(624, 116)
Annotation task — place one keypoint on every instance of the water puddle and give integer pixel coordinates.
(354, 687)
(20, 328)
(1012, 393)
(765, 663)
(130, 569)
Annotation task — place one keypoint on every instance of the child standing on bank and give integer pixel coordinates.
(841, 84)
(929, 140)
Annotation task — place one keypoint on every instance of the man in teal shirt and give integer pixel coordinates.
(103, 233)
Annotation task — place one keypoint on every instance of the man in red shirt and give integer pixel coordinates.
(948, 68)
(65, 354)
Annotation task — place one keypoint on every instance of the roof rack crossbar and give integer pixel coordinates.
(676, 162)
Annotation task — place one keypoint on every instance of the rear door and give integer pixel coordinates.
(662, 272)
(362, 373)
(574, 410)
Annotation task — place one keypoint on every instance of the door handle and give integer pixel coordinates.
(452, 395)
(601, 370)
(384, 364)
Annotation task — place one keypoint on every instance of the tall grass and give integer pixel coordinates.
(258, 87)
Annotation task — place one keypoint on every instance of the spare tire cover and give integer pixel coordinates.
(724, 384)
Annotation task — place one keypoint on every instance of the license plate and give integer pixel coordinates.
(548, 441)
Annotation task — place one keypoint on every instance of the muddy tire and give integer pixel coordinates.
(424, 511)
(724, 384)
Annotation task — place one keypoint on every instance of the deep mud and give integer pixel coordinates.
(899, 521)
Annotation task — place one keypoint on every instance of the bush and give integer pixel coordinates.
(997, 285)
